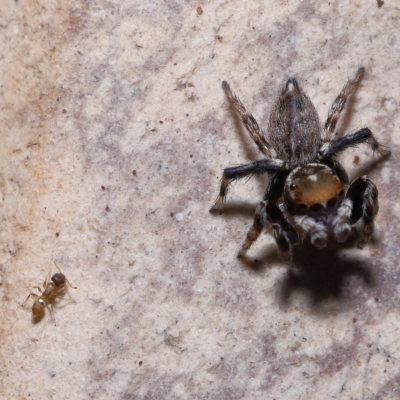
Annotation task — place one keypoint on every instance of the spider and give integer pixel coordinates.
(309, 194)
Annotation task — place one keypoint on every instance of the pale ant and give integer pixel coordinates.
(52, 291)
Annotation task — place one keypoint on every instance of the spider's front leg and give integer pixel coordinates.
(284, 234)
(364, 135)
(360, 202)
(268, 211)
(234, 173)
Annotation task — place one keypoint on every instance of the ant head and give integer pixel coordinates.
(58, 279)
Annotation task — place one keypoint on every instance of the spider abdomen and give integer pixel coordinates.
(294, 127)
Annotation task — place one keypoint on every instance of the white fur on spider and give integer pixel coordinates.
(317, 230)
(313, 177)
(290, 86)
(324, 148)
(340, 223)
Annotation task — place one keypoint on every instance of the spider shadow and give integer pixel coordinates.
(318, 274)
(323, 274)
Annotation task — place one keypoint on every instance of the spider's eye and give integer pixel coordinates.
(316, 207)
(293, 186)
(331, 202)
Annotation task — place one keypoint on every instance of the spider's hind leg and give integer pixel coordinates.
(248, 120)
(339, 104)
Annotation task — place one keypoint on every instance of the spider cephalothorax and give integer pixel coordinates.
(309, 194)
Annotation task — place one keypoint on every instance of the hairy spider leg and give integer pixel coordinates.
(249, 121)
(268, 211)
(231, 174)
(361, 202)
(339, 104)
(363, 135)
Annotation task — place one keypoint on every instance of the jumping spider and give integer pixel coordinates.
(309, 194)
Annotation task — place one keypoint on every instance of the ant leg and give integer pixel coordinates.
(52, 314)
(59, 270)
(46, 280)
(69, 284)
(29, 295)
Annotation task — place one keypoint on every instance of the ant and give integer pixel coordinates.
(51, 291)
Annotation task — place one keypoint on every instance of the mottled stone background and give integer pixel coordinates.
(114, 134)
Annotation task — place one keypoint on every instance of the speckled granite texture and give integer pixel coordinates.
(115, 131)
